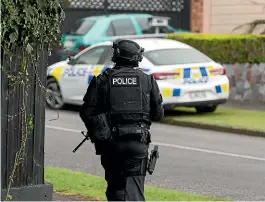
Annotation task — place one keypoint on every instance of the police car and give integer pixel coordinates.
(185, 76)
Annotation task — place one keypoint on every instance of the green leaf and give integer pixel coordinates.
(13, 37)
(40, 3)
(29, 48)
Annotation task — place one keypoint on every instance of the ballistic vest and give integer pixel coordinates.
(125, 91)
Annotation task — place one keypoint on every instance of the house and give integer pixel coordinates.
(223, 16)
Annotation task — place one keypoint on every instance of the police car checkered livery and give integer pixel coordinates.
(186, 77)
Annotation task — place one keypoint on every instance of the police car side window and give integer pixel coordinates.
(91, 56)
(107, 56)
(123, 27)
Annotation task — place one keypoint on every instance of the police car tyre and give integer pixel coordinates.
(54, 99)
(205, 109)
(168, 107)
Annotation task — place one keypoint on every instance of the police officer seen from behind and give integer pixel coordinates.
(118, 109)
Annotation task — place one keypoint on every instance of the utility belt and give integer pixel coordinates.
(137, 132)
(101, 132)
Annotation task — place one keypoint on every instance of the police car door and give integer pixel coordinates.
(79, 73)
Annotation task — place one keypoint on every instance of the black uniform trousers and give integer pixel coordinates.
(125, 165)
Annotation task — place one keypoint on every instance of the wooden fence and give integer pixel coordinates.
(28, 182)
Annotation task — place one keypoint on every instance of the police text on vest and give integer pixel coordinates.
(131, 81)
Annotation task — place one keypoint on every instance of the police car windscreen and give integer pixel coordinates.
(176, 56)
(81, 27)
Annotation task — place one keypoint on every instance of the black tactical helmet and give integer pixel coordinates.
(127, 50)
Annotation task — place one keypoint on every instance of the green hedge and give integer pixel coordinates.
(224, 48)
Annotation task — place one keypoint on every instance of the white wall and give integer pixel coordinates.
(221, 16)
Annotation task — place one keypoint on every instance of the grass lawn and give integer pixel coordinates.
(67, 182)
(223, 116)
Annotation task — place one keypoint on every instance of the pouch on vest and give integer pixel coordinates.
(133, 132)
(125, 92)
(101, 130)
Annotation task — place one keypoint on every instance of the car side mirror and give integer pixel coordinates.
(71, 60)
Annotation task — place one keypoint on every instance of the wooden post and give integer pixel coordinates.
(28, 180)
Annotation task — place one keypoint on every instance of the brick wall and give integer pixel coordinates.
(197, 15)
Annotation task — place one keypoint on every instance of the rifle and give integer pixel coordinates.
(152, 160)
(85, 139)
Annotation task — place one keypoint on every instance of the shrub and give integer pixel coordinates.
(224, 48)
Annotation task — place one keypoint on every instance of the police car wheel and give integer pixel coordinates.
(168, 107)
(54, 99)
(205, 109)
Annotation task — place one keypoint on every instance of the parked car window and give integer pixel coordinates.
(108, 56)
(123, 27)
(81, 27)
(143, 23)
(110, 31)
(255, 27)
(91, 56)
(176, 56)
(259, 29)
(146, 29)
(242, 29)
